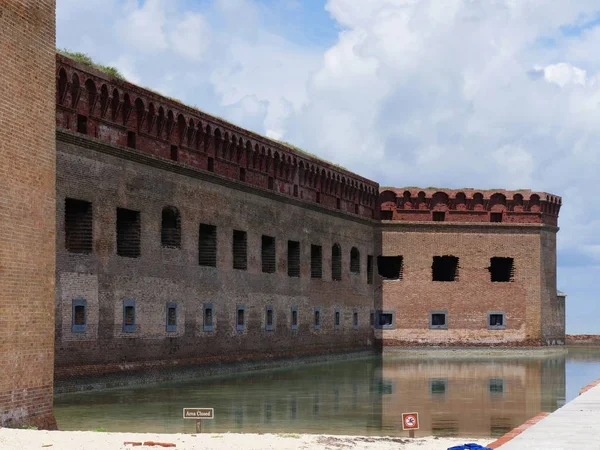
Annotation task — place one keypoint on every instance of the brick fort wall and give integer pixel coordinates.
(27, 211)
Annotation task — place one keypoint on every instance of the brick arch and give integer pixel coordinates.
(421, 200)
(517, 203)
(62, 85)
(497, 202)
(170, 125)
(181, 129)
(460, 201)
(191, 133)
(140, 113)
(75, 90)
(160, 121)
(151, 118)
(104, 100)
(440, 201)
(207, 138)
(92, 95)
(115, 104)
(534, 203)
(477, 202)
(127, 108)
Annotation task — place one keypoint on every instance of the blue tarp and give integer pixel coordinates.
(469, 447)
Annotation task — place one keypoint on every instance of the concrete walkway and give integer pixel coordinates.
(575, 426)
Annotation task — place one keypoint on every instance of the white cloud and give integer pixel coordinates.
(563, 74)
(191, 36)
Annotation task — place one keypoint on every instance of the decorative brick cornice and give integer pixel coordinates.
(469, 205)
(115, 111)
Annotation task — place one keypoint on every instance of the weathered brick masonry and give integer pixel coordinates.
(27, 211)
(99, 170)
(503, 288)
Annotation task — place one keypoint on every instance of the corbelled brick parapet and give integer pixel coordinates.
(96, 104)
(469, 205)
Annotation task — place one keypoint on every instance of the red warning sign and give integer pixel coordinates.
(410, 421)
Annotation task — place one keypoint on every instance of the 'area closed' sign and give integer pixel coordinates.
(410, 421)
(198, 413)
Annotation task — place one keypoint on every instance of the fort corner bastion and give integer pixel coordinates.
(172, 238)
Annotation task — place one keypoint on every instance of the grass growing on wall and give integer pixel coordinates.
(85, 59)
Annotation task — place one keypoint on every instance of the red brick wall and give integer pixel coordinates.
(27, 211)
(526, 301)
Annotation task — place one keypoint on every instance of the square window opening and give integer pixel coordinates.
(496, 386)
(129, 316)
(171, 317)
(316, 261)
(207, 245)
(337, 319)
(496, 217)
(294, 318)
(317, 318)
(208, 317)
(445, 268)
(242, 174)
(240, 324)
(79, 316)
(385, 320)
(293, 259)
(268, 254)
(386, 215)
(78, 226)
(81, 124)
(501, 269)
(131, 139)
(439, 216)
(270, 183)
(437, 387)
(211, 164)
(438, 320)
(174, 153)
(496, 320)
(390, 267)
(128, 233)
(269, 318)
(240, 250)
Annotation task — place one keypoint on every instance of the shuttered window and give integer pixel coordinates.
(293, 258)
(207, 245)
(268, 254)
(78, 226)
(128, 233)
(240, 250)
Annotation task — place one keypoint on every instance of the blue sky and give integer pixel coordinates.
(447, 93)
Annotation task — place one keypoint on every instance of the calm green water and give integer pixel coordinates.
(454, 397)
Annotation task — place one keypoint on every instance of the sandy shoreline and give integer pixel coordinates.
(11, 439)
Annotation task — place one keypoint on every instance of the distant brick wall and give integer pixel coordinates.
(527, 301)
(112, 177)
(27, 211)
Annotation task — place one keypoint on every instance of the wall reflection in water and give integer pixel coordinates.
(367, 397)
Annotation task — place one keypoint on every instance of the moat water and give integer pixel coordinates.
(474, 397)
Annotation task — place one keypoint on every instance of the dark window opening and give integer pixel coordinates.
(354, 260)
(270, 182)
(336, 262)
(355, 208)
(211, 165)
(372, 319)
(171, 317)
(269, 318)
(79, 316)
(318, 199)
(129, 316)
(386, 215)
(437, 386)
(81, 124)
(385, 320)
(338, 203)
(294, 318)
(78, 226)
(496, 385)
(242, 174)
(355, 319)
(496, 320)
(174, 153)
(337, 319)
(495, 217)
(369, 269)
(390, 267)
(444, 268)
(207, 245)
(439, 216)
(170, 235)
(296, 190)
(208, 317)
(128, 233)
(241, 318)
(438, 320)
(240, 250)
(131, 139)
(293, 258)
(316, 261)
(501, 269)
(317, 318)
(268, 254)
